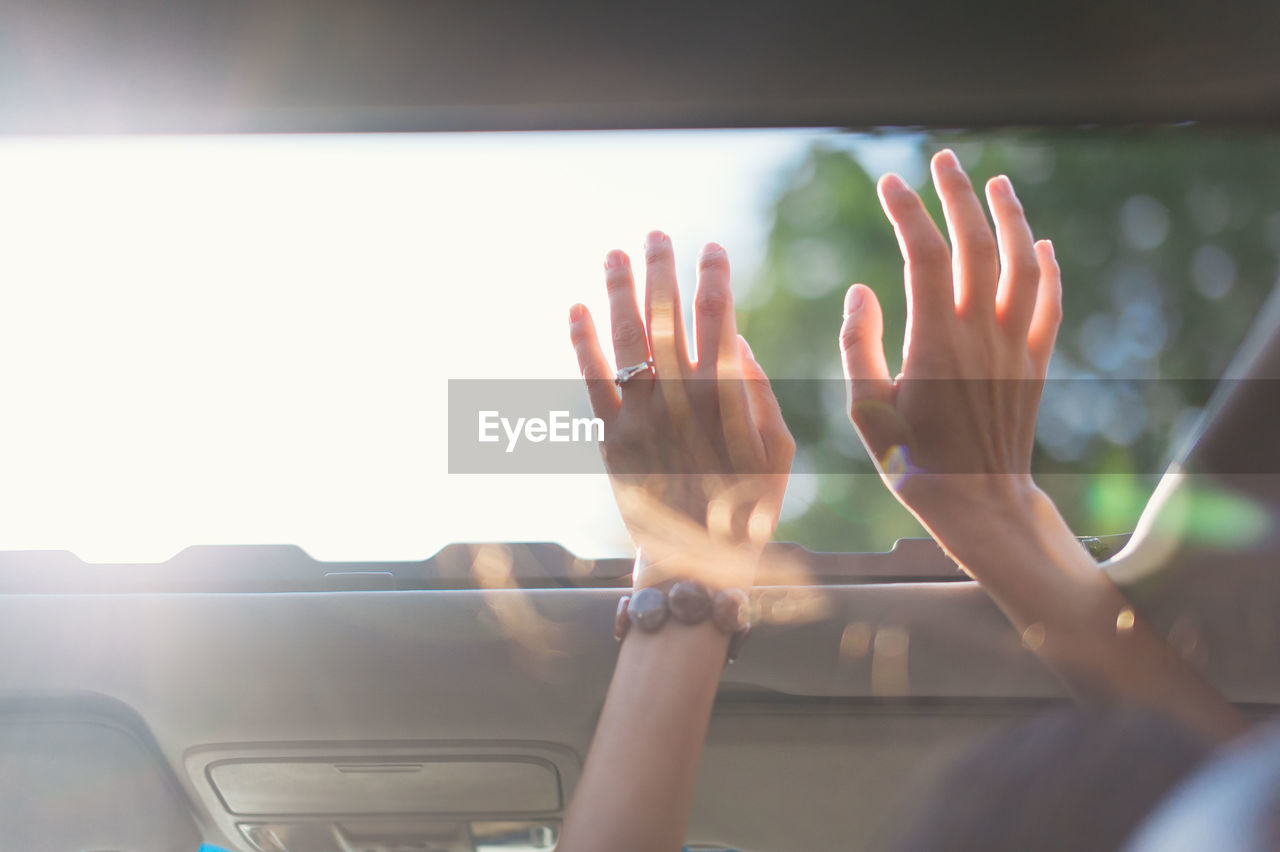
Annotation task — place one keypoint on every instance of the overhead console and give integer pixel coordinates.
(386, 796)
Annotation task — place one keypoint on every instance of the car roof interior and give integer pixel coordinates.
(258, 700)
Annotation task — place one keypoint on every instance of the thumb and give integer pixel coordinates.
(862, 346)
(870, 390)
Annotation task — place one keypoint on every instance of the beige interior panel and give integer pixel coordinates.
(297, 673)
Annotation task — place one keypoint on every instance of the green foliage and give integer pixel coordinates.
(1168, 242)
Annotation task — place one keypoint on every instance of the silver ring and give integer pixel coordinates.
(626, 374)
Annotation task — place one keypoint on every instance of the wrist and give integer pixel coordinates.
(715, 566)
(1015, 543)
(968, 513)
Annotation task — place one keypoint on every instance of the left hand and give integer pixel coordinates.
(697, 450)
(953, 433)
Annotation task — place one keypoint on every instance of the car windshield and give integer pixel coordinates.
(257, 339)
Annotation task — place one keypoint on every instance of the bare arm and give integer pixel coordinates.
(1080, 624)
(638, 781)
(953, 435)
(698, 456)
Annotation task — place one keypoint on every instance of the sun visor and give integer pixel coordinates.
(71, 781)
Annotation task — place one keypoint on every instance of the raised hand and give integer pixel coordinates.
(953, 437)
(696, 447)
(698, 457)
(955, 429)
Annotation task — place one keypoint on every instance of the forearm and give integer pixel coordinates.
(1075, 619)
(636, 786)
(702, 523)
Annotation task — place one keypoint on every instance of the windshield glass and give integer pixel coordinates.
(251, 339)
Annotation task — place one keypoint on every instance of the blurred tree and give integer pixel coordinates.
(1168, 242)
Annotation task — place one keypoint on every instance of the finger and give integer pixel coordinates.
(1019, 268)
(930, 300)
(713, 320)
(1047, 315)
(766, 414)
(975, 262)
(662, 307)
(592, 364)
(630, 345)
(742, 437)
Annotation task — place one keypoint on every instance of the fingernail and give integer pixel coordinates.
(853, 300)
(1052, 254)
(747, 346)
(615, 259)
(893, 183)
(654, 240)
(576, 313)
(1006, 186)
(711, 250)
(947, 157)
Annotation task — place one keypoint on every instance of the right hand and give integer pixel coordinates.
(953, 432)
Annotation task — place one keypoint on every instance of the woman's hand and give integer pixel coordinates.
(953, 433)
(953, 436)
(696, 448)
(698, 456)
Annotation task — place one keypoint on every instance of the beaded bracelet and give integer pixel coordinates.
(688, 602)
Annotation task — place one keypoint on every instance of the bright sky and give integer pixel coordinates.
(233, 340)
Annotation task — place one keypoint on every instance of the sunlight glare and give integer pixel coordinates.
(248, 339)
